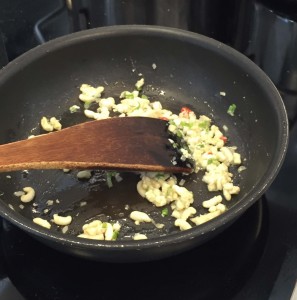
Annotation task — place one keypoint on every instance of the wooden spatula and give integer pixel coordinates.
(130, 143)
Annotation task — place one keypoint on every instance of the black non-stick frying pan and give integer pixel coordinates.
(191, 70)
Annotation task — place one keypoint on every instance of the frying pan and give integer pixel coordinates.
(189, 70)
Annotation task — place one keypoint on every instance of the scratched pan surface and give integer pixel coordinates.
(191, 70)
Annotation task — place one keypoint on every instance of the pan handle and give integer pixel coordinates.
(37, 27)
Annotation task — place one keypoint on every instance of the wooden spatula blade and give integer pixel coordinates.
(132, 143)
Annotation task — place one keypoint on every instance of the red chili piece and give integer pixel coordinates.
(185, 110)
(224, 139)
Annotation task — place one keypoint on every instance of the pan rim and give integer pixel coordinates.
(188, 37)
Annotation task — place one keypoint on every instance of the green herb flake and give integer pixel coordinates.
(115, 235)
(160, 175)
(175, 145)
(74, 109)
(213, 161)
(179, 134)
(164, 212)
(87, 104)
(136, 107)
(129, 96)
(109, 176)
(144, 97)
(231, 109)
(104, 225)
(187, 124)
(204, 125)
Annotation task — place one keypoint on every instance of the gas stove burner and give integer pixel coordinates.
(226, 262)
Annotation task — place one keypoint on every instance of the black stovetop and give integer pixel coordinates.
(255, 258)
(217, 269)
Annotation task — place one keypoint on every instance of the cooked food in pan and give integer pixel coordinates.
(200, 142)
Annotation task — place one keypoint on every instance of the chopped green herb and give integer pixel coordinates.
(204, 125)
(87, 104)
(179, 134)
(136, 107)
(164, 212)
(187, 124)
(74, 108)
(144, 97)
(115, 235)
(213, 161)
(175, 145)
(160, 175)
(231, 109)
(104, 225)
(109, 181)
(109, 176)
(129, 96)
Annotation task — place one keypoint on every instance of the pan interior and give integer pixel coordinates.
(187, 73)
